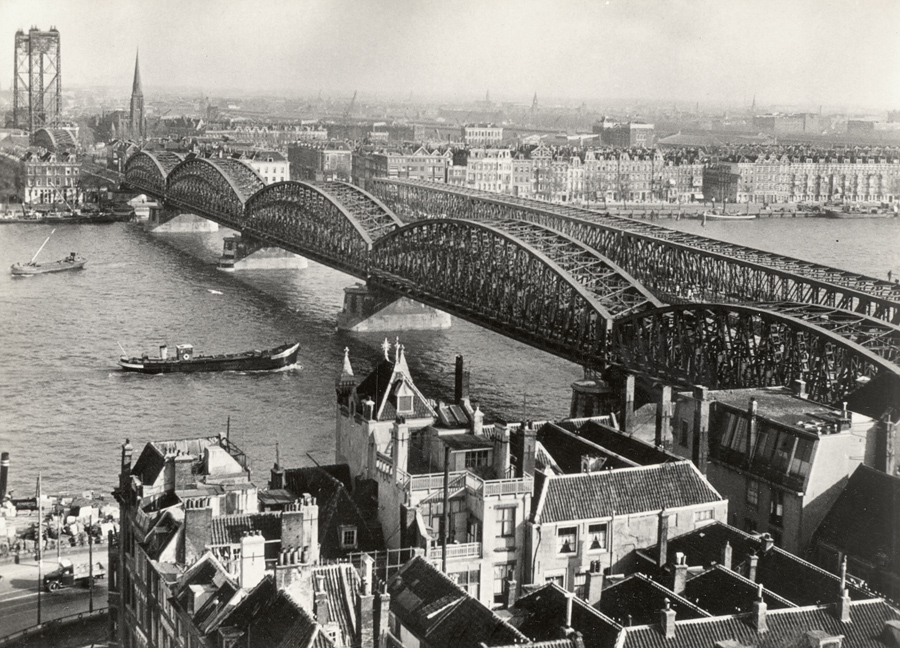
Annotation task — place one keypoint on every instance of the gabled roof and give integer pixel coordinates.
(638, 599)
(381, 385)
(439, 613)
(341, 583)
(783, 573)
(336, 508)
(623, 491)
(865, 520)
(722, 591)
(285, 624)
(563, 440)
(786, 627)
(543, 614)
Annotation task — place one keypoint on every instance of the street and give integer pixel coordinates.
(19, 596)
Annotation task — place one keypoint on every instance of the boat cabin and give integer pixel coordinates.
(184, 351)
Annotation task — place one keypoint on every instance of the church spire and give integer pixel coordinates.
(136, 89)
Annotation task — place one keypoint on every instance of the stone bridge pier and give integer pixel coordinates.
(243, 252)
(368, 309)
(165, 220)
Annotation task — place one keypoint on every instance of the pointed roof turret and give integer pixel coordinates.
(136, 89)
(348, 369)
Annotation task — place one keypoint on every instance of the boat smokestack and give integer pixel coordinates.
(163, 351)
(4, 474)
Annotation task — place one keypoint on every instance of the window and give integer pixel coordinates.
(506, 522)
(501, 575)
(559, 579)
(348, 537)
(477, 458)
(702, 516)
(752, 493)
(597, 535)
(565, 539)
(580, 585)
(404, 403)
(776, 507)
(468, 580)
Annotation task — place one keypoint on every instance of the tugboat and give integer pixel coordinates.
(71, 262)
(185, 361)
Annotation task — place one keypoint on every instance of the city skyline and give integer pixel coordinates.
(801, 53)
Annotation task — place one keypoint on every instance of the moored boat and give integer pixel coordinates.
(185, 361)
(854, 210)
(727, 217)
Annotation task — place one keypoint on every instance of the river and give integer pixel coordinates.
(66, 407)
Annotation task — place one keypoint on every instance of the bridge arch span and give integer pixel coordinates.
(147, 170)
(499, 280)
(309, 219)
(213, 188)
(729, 346)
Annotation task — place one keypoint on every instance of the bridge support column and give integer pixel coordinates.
(242, 252)
(700, 441)
(368, 310)
(664, 418)
(163, 220)
(628, 413)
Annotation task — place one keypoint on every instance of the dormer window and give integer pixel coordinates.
(348, 537)
(404, 403)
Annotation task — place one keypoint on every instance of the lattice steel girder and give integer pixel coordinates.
(216, 189)
(372, 214)
(490, 277)
(614, 288)
(664, 260)
(306, 219)
(147, 170)
(726, 346)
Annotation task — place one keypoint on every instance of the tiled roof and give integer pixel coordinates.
(624, 491)
(865, 519)
(786, 627)
(439, 613)
(336, 508)
(783, 573)
(341, 583)
(228, 529)
(637, 600)
(543, 614)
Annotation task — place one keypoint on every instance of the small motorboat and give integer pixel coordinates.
(726, 217)
(185, 361)
(71, 262)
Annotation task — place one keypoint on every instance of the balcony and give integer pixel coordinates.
(465, 550)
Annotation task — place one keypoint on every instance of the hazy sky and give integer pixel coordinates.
(805, 52)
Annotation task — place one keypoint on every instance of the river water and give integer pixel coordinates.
(66, 407)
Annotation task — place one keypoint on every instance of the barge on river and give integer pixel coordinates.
(185, 361)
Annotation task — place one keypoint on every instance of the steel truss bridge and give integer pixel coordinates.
(586, 286)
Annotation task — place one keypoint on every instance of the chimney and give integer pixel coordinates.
(751, 570)
(767, 542)
(365, 612)
(759, 610)
(183, 476)
(679, 579)
(843, 607)
(477, 421)
(461, 386)
(570, 599)
(197, 528)
(529, 449)
(667, 620)
(300, 527)
(700, 450)
(664, 418)
(253, 559)
(400, 450)
(321, 601)
(726, 555)
(662, 539)
(501, 453)
(799, 388)
(628, 415)
(125, 474)
(751, 431)
(593, 587)
(4, 474)
(382, 612)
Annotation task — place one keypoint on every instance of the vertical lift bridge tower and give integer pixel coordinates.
(37, 79)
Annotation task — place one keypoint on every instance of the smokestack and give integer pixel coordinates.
(461, 389)
(4, 474)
